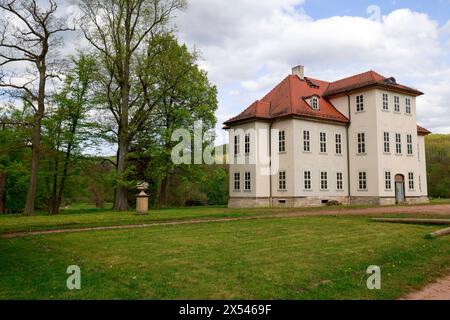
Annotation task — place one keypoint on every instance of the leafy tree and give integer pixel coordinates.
(438, 165)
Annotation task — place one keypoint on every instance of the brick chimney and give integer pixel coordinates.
(299, 71)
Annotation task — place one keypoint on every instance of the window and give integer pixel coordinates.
(408, 105)
(247, 144)
(323, 142)
(387, 180)
(338, 143)
(362, 183)
(236, 145)
(315, 103)
(306, 141)
(411, 180)
(307, 180)
(324, 181)
(359, 103)
(282, 141)
(398, 143)
(237, 181)
(247, 181)
(409, 144)
(361, 143)
(339, 181)
(420, 183)
(396, 104)
(282, 180)
(385, 101)
(387, 143)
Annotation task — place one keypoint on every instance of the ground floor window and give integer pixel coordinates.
(237, 181)
(340, 181)
(362, 181)
(324, 181)
(282, 180)
(247, 181)
(307, 180)
(411, 180)
(388, 180)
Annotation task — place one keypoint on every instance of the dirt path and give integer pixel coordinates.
(443, 209)
(436, 291)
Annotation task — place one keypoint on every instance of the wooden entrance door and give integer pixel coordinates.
(399, 189)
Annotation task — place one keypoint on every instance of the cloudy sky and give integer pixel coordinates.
(248, 46)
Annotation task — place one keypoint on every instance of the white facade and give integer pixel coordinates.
(357, 171)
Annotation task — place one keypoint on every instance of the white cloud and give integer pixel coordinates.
(248, 46)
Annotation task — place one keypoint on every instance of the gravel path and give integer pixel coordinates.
(436, 291)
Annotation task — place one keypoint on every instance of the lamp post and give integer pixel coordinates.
(142, 198)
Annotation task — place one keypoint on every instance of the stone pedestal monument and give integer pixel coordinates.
(142, 199)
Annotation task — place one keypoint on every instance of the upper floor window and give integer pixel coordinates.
(361, 143)
(409, 144)
(306, 141)
(307, 180)
(411, 180)
(362, 181)
(338, 143)
(324, 180)
(236, 145)
(237, 181)
(398, 143)
(360, 103)
(387, 143)
(385, 101)
(396, 104)
(323, 142)
(388, 180)
(248, 181)
(339, 181)
(282, 180)
(315, 103)
(282, 141)
(408, 105)
(247, 144)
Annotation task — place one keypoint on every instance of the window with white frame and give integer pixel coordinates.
(409, 144)
(306, 141)
(387, 142)
(420, 183)
(315, 103)
(237, 181)
(361, 143)
(338, 143)
(307, 180)
(339, 181)
(408, 105)
(282, 141)
(362, 181)
(411, 180)
(324, 180)
(248, 181)
(323, 142)
(385, 101)
(247, 144)
(360, 103)
(236, 145)
(282, 180)
(398, 143)
(396, 104)
(388, 180)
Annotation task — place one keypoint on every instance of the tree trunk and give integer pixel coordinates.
(121, 194)
(2, 192)
(36, 138)
(162, 197)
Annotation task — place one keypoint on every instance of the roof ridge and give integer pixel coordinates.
(278, 85)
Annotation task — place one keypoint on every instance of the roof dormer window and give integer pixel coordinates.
(315, 103)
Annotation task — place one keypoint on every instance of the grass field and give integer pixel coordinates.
(288, 258)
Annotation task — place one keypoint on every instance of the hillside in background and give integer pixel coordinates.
(438, 165)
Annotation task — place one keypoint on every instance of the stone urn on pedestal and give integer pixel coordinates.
(142, 198)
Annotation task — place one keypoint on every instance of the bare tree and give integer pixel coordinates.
(120, 32)
(29, 38)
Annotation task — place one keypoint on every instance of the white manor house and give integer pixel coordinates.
(355, 141)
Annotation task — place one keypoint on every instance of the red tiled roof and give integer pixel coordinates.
(289, 98)
(422, 131)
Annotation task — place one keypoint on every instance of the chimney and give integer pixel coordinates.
(299, 71)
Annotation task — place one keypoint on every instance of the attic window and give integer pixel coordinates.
(315, 103)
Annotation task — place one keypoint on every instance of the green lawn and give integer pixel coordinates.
(289, 258)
